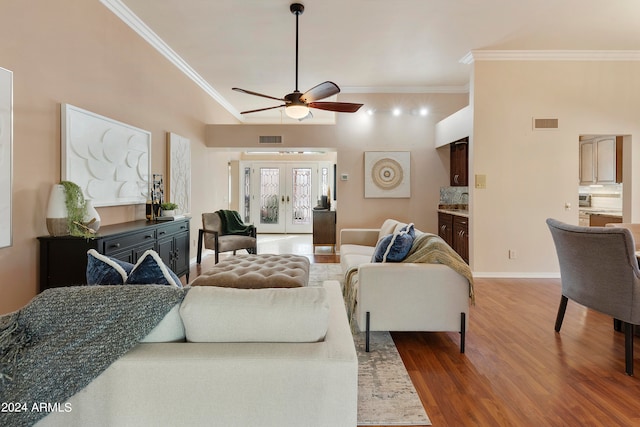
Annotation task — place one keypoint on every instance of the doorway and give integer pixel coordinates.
(279, 197)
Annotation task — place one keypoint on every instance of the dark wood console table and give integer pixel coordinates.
(324, 228)
(63, 260)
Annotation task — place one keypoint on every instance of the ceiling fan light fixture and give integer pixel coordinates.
(297, 111)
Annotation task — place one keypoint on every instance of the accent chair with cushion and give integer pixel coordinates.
(598, 269)
(223, 231)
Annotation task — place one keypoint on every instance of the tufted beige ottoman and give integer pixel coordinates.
(257, 271)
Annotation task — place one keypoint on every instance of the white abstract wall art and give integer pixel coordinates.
(6, 156)
(179, 170)
(387, 174)
(108, 159)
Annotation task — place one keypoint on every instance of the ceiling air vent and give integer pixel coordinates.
(545, 124)
(276, 139)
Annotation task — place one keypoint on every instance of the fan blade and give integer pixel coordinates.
(263, 109)
(340, 107)
(248, 92)
(321, 91)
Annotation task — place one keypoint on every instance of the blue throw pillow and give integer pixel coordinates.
(410, 230)
(150, 270)
(393, 247)
(104, 270)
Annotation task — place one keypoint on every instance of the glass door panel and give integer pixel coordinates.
(301, 190)
(270, 199)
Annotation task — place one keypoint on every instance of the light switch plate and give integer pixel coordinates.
(344, 177)
(481, 181)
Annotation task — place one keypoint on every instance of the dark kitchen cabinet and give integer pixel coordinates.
(459, 163)
(454, 230)
(63, 259)
(445, 227)
(461, 236)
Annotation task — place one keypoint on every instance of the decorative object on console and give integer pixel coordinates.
(57, 212)
(156, 196)
(108, 159)
(6, 163)
(92, 217)
(69, 213)
(179, 171)
(387, 174)
(169, 209)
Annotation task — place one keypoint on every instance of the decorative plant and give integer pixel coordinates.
(169, 206)
(76, 210)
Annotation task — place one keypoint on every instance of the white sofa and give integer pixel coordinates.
(227, 383)
(403, 296)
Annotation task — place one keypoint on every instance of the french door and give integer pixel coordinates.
(279, 197)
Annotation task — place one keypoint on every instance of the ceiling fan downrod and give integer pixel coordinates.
(297, 9)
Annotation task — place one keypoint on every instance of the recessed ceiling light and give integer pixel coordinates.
(397, 111)
(424, 111)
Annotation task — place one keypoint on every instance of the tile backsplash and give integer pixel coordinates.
(605, 197)
(454, 195)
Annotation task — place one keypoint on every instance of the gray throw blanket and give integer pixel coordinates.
(65, 337)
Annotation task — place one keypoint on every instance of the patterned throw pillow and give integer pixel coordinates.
(394, 247)
(150, 269)
(104, 270)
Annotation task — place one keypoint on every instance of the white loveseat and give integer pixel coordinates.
(239, 372)
(403, 296)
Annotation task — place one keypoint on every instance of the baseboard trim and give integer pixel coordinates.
(515, 275)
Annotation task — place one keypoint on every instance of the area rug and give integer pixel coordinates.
(386, 395)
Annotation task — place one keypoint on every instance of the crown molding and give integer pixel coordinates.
(406, 89)
(550, 55)
(131, 19)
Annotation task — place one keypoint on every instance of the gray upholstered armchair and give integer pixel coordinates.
(215, 236)
(599, 269)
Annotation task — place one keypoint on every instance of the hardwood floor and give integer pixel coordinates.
(516, 370)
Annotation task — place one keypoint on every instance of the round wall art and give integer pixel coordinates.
(387, 174)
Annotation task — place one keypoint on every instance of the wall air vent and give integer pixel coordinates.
(276, 139)
(545, 124)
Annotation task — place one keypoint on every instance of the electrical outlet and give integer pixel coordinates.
(513, 254)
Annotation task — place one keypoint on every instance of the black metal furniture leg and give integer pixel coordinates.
(628, 348)
(617, 325)
(368, 324)
(200, 236)
(463, 330)
(561, 310)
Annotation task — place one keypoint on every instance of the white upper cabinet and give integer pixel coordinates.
(601, 160)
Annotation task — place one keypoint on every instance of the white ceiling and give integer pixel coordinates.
(364, 45)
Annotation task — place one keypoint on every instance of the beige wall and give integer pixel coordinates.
(532, 174)
(354, 134)
(78, 52)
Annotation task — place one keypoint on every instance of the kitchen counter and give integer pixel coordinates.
(600, 211)
(458, 212)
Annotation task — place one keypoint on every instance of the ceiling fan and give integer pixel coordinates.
(297, 104)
